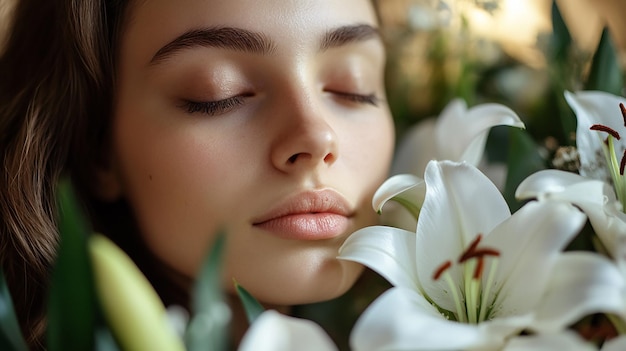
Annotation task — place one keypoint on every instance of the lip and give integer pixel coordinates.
(313, 215)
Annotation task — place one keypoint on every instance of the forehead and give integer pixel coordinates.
(153, 23)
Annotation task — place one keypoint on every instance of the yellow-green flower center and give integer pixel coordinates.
(471, 297)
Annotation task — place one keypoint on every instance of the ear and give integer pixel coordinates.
(108, 185)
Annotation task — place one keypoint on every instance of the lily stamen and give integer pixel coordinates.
(473, 308)
(603, 128)
(471, 248)
(479, 254)
(478, 271)
(616, 167)
(444, 271)
(439, 271)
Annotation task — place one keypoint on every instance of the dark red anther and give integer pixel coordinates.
(623, 109)
(622, 164)
(603, 128)
(444, 267)
(472, 247)
(479, 267)
(480, 254)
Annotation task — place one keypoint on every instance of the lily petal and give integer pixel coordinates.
(596, 198)
(615, 344)
(401, 319)
(388, 251)
(273, 331)
(416, 148)
(457, 134)
(460, 203)
(529, 243)
(406, 189)
(581, 283)
(462, 133)
(549, 342)
(595, 107)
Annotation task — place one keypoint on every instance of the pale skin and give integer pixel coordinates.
(281, 140)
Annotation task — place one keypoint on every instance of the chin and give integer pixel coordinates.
(306, 282)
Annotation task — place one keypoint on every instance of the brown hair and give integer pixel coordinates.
(56, 80)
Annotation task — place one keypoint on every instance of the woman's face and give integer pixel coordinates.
(263, 117)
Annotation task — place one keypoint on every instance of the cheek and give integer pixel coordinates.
(369, 151)
(170, 175)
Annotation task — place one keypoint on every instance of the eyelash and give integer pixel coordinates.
(215, 108)
(370, 99)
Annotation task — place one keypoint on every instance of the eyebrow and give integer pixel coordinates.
(223, 37)
(348, 34)
(239, 39)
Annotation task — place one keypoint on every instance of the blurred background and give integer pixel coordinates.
(488, 50)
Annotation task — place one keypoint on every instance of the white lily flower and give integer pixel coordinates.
(273, 331)
(458, 134)
(594, 197)
(601, 137)
(471, 271)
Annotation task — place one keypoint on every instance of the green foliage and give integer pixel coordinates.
(563, 74)
(561, 40)
(250, 304)
(523, 160)
(208, 328)
(606, 74)
(10, 335)
(71, 310)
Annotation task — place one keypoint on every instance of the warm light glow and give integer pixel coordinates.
(516, 25)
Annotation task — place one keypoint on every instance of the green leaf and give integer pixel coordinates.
(563, 73)
(605, 74)
(72, 304)
(208, 327)
(523, 160)
(11, 338)
(250, 304)
(561, 40)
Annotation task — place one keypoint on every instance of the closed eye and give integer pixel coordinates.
(214, 108)
(370, 99)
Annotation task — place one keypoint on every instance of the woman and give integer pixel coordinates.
(175, 119)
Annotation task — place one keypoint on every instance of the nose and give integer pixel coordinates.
(306, 142)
